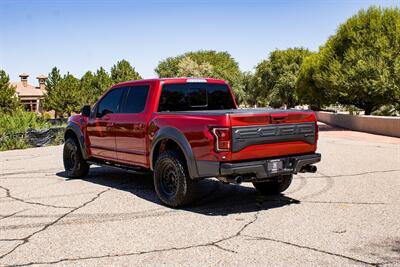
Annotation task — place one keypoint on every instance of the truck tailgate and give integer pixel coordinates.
(272, 134)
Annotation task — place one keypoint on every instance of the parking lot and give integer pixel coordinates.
(346, 214)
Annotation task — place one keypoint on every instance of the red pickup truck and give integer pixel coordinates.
(183, 130)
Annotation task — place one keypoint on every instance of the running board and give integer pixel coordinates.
(108, 164)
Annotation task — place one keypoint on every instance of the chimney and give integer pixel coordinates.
(24, 79)
(42, 79)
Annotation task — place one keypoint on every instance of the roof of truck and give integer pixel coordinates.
(170, 80)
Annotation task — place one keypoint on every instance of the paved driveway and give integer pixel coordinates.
(346, 214)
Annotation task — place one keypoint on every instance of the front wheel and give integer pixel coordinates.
(74, 164)
(275, 187)
(172, 184)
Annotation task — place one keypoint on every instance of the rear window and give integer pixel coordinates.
(195, 96)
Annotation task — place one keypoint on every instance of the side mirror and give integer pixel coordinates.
(85, 111)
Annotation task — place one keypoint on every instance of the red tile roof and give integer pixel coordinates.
(28, 90)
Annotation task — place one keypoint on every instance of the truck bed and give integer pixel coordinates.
(246, 111)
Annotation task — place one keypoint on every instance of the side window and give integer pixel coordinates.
(136, 99)
(110, 103)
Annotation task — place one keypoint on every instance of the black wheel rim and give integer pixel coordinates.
(69, 157)
(169, 180)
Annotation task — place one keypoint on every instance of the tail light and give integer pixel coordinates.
(316, 132)
(222, 139)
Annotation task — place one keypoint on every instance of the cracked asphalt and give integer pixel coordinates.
(346, 214)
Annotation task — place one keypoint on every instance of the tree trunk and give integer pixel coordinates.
(368, 110)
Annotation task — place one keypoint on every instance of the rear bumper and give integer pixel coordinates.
(259, 170)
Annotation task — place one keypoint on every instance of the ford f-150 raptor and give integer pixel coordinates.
(184, 129)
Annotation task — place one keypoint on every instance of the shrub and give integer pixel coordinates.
(20, 121)
(13, 127)
(12, 142)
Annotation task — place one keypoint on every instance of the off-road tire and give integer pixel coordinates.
(172, 183)
(74, 164)
(274, 187)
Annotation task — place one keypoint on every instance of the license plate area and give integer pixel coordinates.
(275, 165)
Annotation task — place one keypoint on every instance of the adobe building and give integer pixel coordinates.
(31, 97)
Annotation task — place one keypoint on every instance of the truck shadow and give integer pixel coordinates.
(212, 197)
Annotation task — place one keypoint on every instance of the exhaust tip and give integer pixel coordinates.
(313, 169)
(238, 180)
(309, 168)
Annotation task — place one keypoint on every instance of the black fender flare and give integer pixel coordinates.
(179, 138)
(79, 136)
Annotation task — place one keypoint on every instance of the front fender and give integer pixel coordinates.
(76, 130)
(179, 138)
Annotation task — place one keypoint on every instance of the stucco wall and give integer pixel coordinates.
(371, 124)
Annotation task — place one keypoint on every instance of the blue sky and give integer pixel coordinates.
(77, 36)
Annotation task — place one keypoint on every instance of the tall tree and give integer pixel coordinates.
(249, 88)
(360, 64)
(86, 86)
(219, 65)
(65, 97)
(309, 89)
(190, 68)
(101, 82)
(53, 80)
(123, 71)
(276, 77)
(9, 101)
(69, 95)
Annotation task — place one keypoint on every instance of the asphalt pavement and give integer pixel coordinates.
(345, 214)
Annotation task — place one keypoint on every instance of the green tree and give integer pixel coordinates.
(260, 82)
(123, 71)
(276, 77)
(93, 85)
(65, 97)
(9, 101)
(309, 86)
(70, 95)
(101, 82)
(168, 67)
(219, 65)
(250, 89)
(190, 68)
(53, 80)
(359, 65)
(86, 86)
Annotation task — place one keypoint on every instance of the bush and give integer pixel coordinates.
(14, 125)
(388, 110)
(13, 142)
(58, 138)
(20, 121)
(353, 110)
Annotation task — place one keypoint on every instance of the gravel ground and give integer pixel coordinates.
(346, 214)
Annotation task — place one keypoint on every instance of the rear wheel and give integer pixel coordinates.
(74, 164)
(173, 185)
(274, 187)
